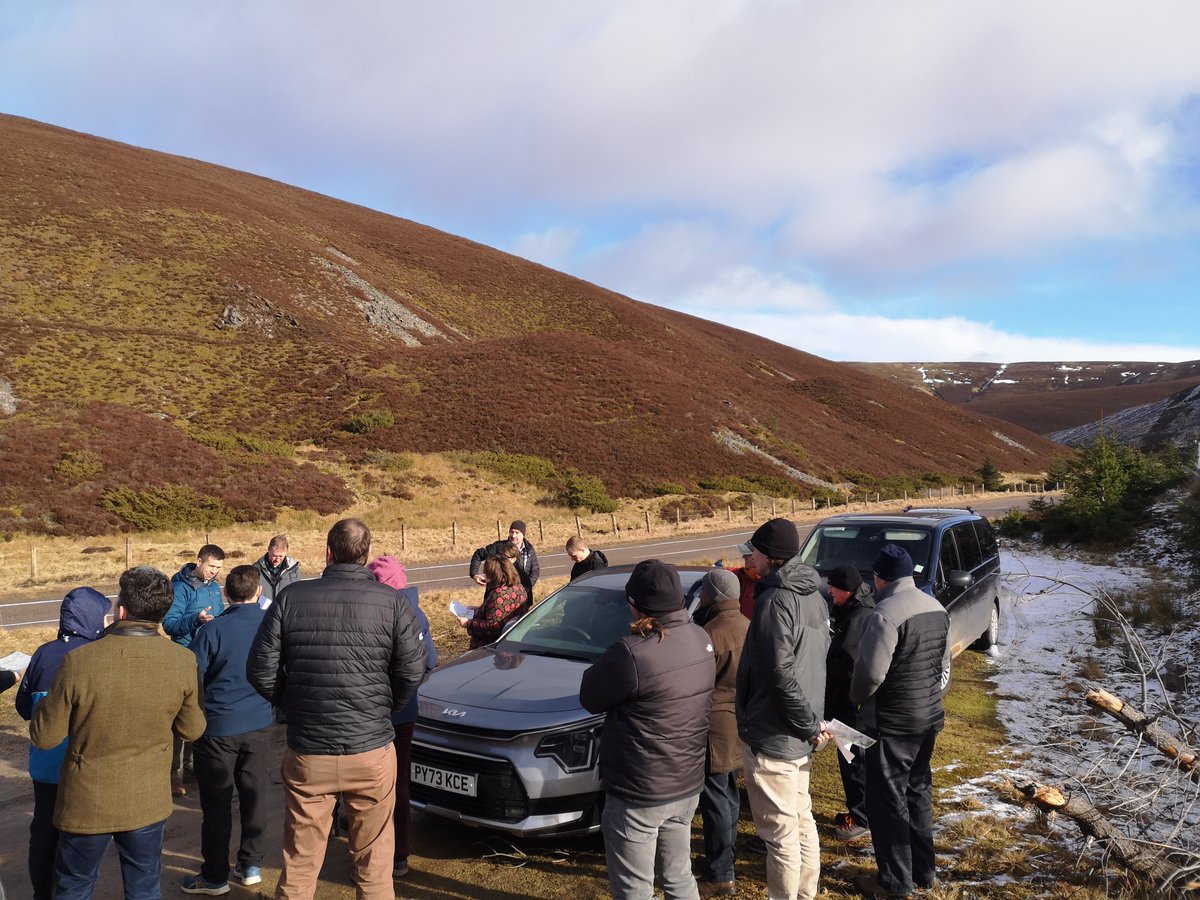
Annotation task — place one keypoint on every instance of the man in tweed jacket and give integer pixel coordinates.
(119, 701)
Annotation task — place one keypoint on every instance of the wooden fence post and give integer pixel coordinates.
(578, 528)
(499, 536)
(677, 518)
(541, 533)
(647, 521)
(403, 537)
(453, 534)
(751, 507)
(729, 513)
(793, 506)
(772, 507)
(32, 563)
(128, 553)
(613, 517)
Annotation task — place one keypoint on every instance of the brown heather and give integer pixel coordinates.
(166, 323)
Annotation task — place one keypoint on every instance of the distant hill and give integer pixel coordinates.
(1045, 397)
(1174, 420)
(177, 333)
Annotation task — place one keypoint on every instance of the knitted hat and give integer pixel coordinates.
(654, 587)
(776, 539)
(845, 577)
(720, 584)
(893, 562)
(518, 525)
(388, 570)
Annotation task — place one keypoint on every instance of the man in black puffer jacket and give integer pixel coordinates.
(338, 655)
(897, 687)
(656, 687)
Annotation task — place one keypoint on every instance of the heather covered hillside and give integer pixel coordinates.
(1045, 397)
(172, 332)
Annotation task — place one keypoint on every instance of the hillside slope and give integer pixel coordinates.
(1174, 420)
(166, 322)
(1045, 397)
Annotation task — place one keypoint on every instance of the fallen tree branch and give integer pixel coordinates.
(1139, 723)
(1093, 823)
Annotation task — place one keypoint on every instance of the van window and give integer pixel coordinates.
(987, 539)
(968, 546)
(948, 560)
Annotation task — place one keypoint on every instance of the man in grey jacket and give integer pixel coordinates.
(897, 687)
(780, 699)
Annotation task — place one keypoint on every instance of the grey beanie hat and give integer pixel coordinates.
(721, 584)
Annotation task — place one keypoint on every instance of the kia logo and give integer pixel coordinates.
(456, 713)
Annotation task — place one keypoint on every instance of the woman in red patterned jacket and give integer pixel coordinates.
(505, 600)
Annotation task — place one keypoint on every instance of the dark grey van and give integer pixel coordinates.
(955, 558)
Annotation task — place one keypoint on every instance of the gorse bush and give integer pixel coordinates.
(79, 465)
(233, 443)
(370, 420)
(580, 491)
(535, 470)
(169, 506)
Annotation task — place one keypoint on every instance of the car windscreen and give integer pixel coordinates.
(830, 546)
(576, 621)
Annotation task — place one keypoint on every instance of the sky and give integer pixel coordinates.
(929, 180)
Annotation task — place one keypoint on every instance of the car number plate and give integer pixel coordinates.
(454, 782)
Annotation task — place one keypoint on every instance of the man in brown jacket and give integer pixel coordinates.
(720, 802)
(119, 701)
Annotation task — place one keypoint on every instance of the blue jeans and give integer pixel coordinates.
(900, 807)
(638, 840)
(720, 806)
(78, 863)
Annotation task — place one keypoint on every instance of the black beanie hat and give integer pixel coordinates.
(654, 587)
(845, 577)
(776, 539)
(518, 525)
(893, 562)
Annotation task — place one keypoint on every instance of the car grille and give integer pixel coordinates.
(499, 792)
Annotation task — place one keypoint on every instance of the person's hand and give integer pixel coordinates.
(462, 620)
(205, 615)
(822, 736)
(479, 579)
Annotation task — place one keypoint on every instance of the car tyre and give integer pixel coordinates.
(991, 637)
(947, 674)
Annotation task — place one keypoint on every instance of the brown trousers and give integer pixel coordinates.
(367, 783)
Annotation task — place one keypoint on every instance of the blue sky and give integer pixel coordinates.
(862, 180)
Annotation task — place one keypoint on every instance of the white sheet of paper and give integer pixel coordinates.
(15, 662)
(461, 611)
(845, 737)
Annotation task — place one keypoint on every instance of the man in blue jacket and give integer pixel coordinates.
(235, 747)
(80, 621)
(197, 601)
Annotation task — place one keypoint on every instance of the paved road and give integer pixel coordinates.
(452, 575)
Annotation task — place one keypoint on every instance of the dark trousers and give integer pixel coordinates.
(223, 764)
(77, 865)
(900, 807)
(854, 784)
(720, 805)
(402, 817)
(43, 840)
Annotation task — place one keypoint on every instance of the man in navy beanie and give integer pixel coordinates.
(897, 687)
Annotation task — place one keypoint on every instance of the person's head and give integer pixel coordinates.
(144, 593)
(891, 564)
(510, 552)
(349, 541)
(843, 582)
(82, 613)
(500, 572)
(516, 532)
(773, 544)
(653, 588)
(746, 549)
(718, 585)
(242, 584)
(577, 549)
(277, 550)
(390, 571)
(209, 560)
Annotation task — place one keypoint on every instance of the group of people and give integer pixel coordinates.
(688, 702)
(338, 658)
(749, 684)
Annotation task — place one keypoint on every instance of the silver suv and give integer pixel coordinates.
(956, 559)
(501, 740)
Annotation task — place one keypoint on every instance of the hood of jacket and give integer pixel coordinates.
(188, 575)
(862, 598)
(793, 575)
(82, 614)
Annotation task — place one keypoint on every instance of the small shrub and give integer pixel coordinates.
(586, 491)
(79, 465)
(169, 506)
(666, 488)
(1017, 524)
(535, 470)
(370, 420)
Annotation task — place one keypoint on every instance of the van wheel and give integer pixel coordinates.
(991, 637)
(944, 681)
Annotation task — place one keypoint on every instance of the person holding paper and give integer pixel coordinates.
(505, 600)
(851, 602)
(897, 687)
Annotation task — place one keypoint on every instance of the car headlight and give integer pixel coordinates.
(574, 751)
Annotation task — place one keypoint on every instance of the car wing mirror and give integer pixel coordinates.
(959, 579)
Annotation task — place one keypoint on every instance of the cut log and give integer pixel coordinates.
(1139, 723)
(1093, 823)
